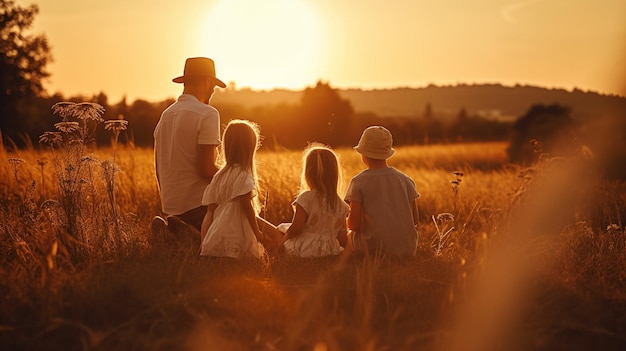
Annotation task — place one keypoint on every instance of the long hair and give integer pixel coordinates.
(321, 172)
(239, 145)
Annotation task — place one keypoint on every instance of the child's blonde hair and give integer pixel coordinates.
(321, 172)
(239, 145)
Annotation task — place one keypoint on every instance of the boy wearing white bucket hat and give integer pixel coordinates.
(383, 211)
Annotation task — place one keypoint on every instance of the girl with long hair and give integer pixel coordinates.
(230, 227)
(319, 223)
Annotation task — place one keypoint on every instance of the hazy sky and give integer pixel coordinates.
(135, 47)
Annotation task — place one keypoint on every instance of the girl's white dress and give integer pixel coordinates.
(230, 233)
(319, 236)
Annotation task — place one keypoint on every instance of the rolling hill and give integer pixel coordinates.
(492, 101)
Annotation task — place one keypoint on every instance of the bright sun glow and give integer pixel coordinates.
(264, 44)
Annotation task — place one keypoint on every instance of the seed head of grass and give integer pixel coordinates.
(89, 111)
(63, 109)
(115, 125)
(83, 111)
(67, 127)
(89, 159)
(455, 185)
(51, 138)
(456, 181)
(14, 161)
(445, 217)
(109, 167)
(614, 229)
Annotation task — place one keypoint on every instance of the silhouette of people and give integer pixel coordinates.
(185, 142)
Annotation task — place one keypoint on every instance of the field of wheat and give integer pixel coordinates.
(509, 258)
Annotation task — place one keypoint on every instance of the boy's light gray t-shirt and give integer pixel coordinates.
(387, 197)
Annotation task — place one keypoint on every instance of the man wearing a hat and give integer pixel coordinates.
(185, 142)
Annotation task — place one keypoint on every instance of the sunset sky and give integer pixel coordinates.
(134, 48)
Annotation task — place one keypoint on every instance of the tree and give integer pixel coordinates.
(23, 60)
(428, 112)
(550, 128)
(432, 129)
(324, 115)
(460, 128)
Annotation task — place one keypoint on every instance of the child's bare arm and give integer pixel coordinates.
(206, 222)
(299, 219)
(269, 230)
(354, 218)
(249, 213)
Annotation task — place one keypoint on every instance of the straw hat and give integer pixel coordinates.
(376, 142)
(199, 67)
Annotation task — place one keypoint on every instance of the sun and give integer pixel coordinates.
(264, 44)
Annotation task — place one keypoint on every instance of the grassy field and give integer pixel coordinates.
(536, 260)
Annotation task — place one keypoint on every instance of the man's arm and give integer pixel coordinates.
(205, 161)
(156, 171)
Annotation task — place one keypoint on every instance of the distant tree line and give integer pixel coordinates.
(321, 116)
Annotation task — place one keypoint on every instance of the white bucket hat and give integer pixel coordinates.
(376, 142)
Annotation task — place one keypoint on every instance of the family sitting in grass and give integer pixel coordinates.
(378, 214)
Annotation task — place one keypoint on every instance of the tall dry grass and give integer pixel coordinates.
(509, 258)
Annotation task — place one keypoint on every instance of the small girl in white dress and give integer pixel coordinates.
(319, 222)
(230, 228)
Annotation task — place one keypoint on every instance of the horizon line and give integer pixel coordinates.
(381, 88)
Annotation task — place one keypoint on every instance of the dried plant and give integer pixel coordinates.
(86, 225)
(15, 163)
(456, 182)
(444, 226)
